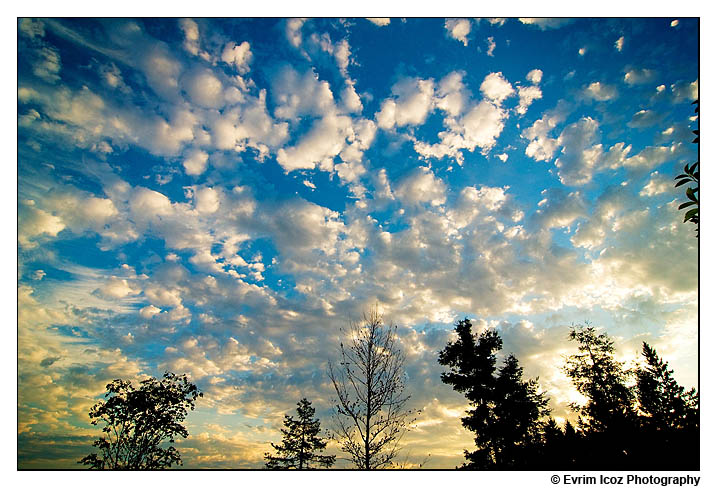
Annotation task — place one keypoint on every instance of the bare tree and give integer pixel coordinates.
(370, 418)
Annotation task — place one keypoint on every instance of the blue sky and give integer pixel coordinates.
(220, 197)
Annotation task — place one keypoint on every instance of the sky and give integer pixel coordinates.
(220, 197)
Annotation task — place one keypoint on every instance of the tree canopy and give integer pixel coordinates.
(142, 424)
(507, 412)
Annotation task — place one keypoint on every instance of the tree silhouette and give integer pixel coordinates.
(690, 175)
(506, 410)
(299, 442)
(369, 382)
(669, 414)
(140, 425)
(608, 418)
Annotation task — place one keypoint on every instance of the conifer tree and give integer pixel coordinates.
(608, 420)
(300, 442)
(669, 415)
(665, 404)
(506, 410)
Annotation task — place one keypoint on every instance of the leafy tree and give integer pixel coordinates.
(140, 425)
(690, 175)
(506, 410)
(300, 442)
(369, 382)
(608, 418)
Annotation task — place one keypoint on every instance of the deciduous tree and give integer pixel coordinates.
(141, 424)
(369, 381)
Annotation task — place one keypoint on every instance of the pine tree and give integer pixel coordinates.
(300, 442)
(519, 407)
(608, 419)
(669, 415)
(506, 410)
(665, 404)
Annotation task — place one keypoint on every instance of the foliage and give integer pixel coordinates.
(665, 403)
(601, 379)
(652, 425)
(369, 382)
(669, 414)
(299, 442)
(690, 176)
(140, 425)
(506, 410)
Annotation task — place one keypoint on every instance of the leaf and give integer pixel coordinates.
(693, 167)
(685, 180)
(690, 214)
(686, 204)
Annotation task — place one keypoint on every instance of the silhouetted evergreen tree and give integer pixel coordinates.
(506, 411)
(669, 417)
(608, 419)
(300, 442)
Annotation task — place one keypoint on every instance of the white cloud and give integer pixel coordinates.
(413, 99)
(421, 186)
(546, 23)
(619, 44)
(196, 162)
(684, 91)
(116, 288)
(32, 28)
(581, 153)
(301, 95)
(496, 88)
(639, 76)
(541, 146)
(674, 23)
(319, 146)
(657, 184)
(191, 35)
(293, 31)
(149, 311)
(204, 88)
(458, 29)
(380, 21)
(34, 222)
(47, 65)
(600, 92)
(559, 208)
(645, 118)
(491, 45)
(534, 76)
(526, 96)
(206, 200)
(238, 55)
(452, 95)
(582, 51)
(503, 157)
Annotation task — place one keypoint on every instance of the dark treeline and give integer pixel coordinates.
(636, 418)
